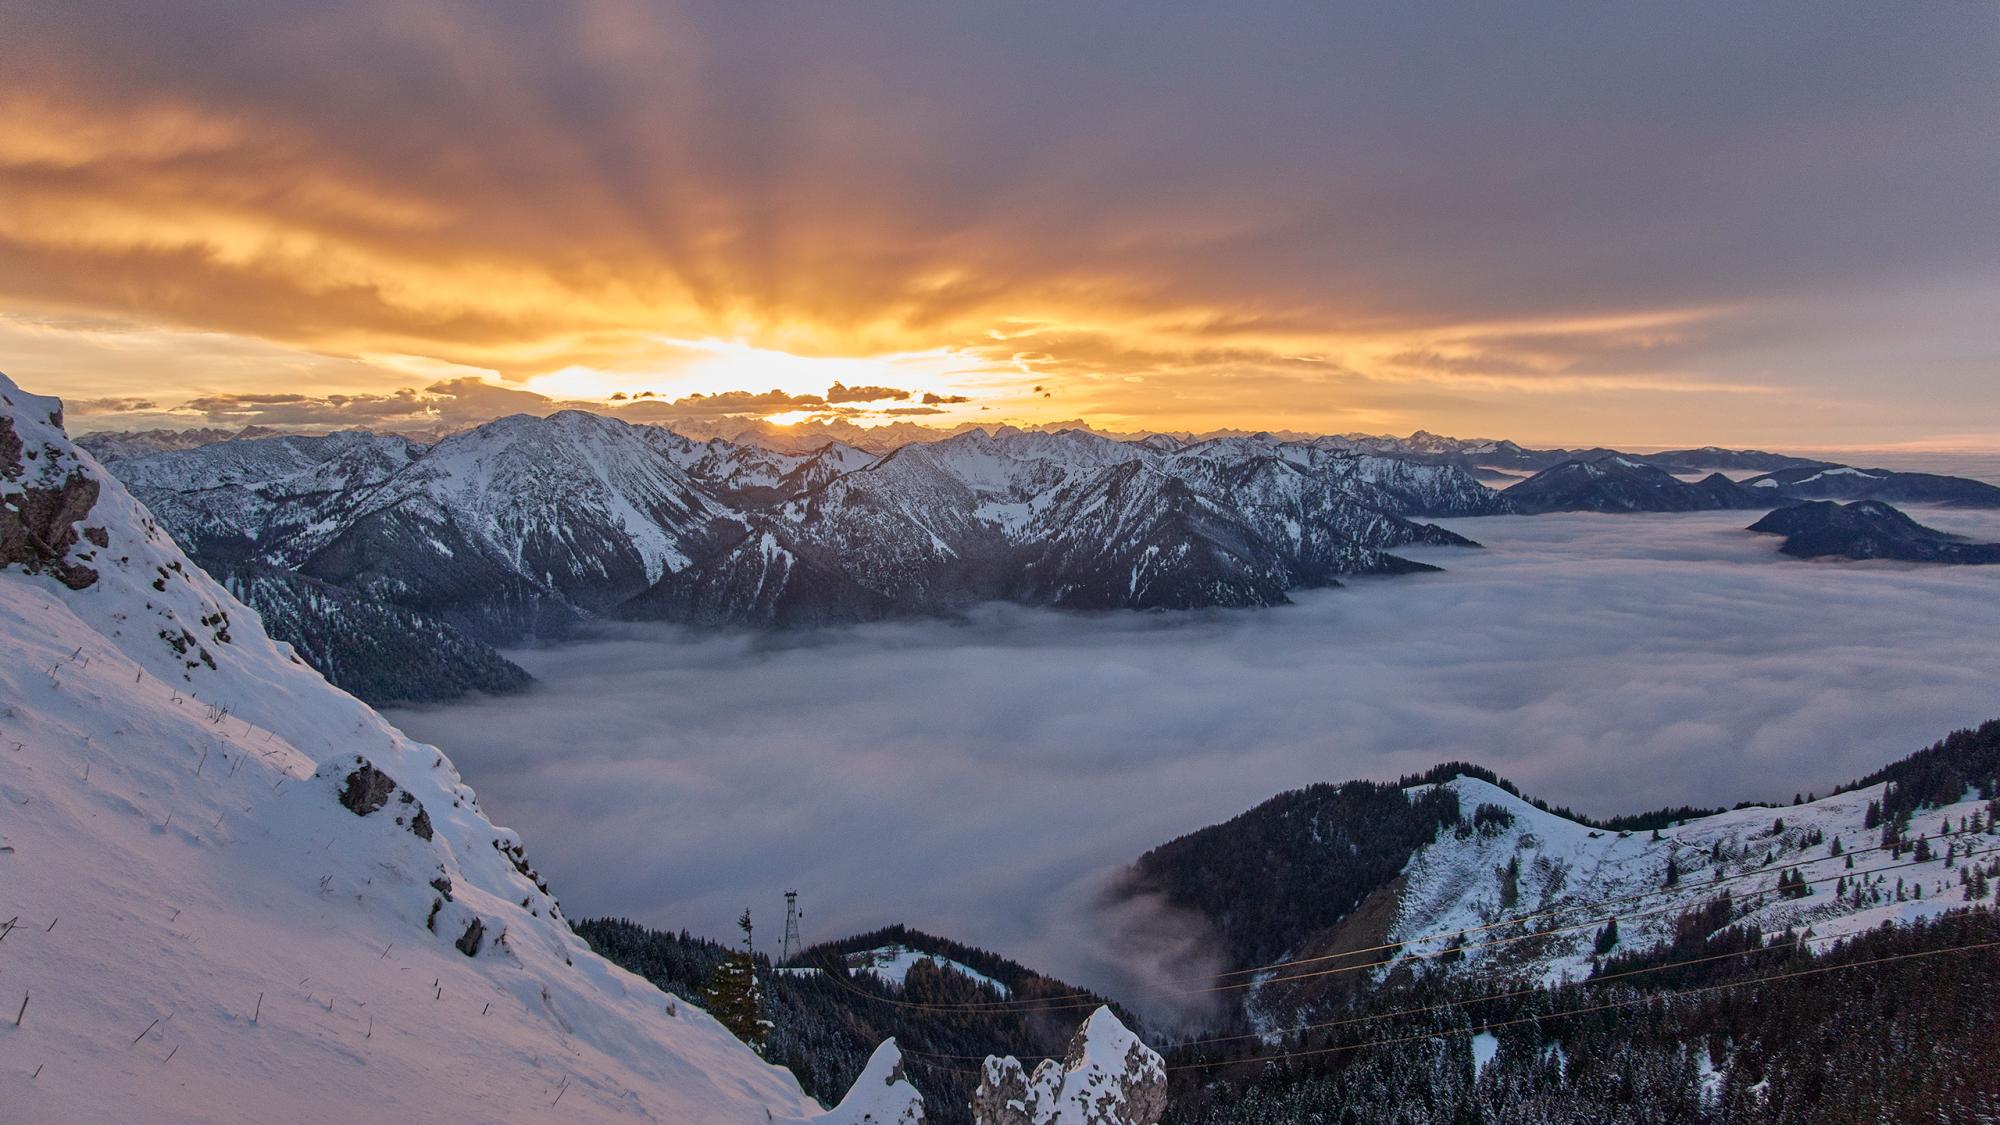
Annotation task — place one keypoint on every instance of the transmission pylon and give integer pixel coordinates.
(793, 945)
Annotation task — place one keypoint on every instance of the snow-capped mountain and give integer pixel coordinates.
(529, 525)
(119, 445)
(227, 881)
(228, 499)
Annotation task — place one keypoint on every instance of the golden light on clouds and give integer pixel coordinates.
(709, 367)
(717, 214)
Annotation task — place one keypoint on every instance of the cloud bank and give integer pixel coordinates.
(1571, 222)
(981, 778)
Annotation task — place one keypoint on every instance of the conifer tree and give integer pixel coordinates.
(732, 996)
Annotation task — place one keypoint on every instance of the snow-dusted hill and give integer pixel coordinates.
(1571, 876)
(1453, 873)
(231, 892)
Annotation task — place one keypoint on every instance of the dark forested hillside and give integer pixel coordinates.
(1940, 773)
(380, 652)
(1896, 1025)
(1294, 865)
(826, 1022)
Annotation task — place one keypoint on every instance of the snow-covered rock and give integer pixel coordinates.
(1106, 1077)
(238, 894)
(881, 1095)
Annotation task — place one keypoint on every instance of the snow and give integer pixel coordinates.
(1711, 1079)
(206, 932)
(1485, 1048)
(892, 964)
(1568, 872)
(1107, 1075)
(881, 1095)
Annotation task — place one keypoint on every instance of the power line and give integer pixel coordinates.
(1091, 1000)
(1379, 1017)
(1629, 1002)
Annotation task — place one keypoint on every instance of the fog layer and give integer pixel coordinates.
(979, 778)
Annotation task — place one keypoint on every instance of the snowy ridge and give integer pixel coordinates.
(1106, 1077)
(1568, 872)
(242, 895)
(892, 963)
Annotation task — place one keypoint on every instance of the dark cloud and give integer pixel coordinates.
(287, 409)
(109, 405)
(838, 393)
(932, 399)
(728, 404)
(983, 778)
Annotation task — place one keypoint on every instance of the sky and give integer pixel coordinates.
(1613, 664)
(1561, 223)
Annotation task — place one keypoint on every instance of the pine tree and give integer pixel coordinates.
(1607, 938)
(732, 995)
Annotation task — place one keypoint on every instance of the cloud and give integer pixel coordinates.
(931, 399)
(289, 409)
(983, 778)
(728, 404)
(110, 405)
(522, 188)
(838, 393)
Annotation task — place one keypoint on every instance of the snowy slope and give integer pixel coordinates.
(1571, 876)
(240, 895)
(892, 963)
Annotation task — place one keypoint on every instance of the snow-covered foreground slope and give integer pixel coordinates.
(239, 894)
(1570, 877)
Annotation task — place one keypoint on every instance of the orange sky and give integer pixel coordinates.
(397, 214)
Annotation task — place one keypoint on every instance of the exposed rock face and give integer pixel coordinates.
(43, 496)
(881, 1095)
(1107, 1077)
(367, 789)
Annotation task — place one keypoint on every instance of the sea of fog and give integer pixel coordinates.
(980, 778)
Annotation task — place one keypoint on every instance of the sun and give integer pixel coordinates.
(712, 366)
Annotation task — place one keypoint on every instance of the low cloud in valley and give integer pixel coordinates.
(982, 778)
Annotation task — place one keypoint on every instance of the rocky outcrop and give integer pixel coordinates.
(1106, 1077)
(42, 501)
(367, 789)
(882, 1095)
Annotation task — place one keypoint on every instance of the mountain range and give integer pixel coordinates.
(528, 527)
(399, 565)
